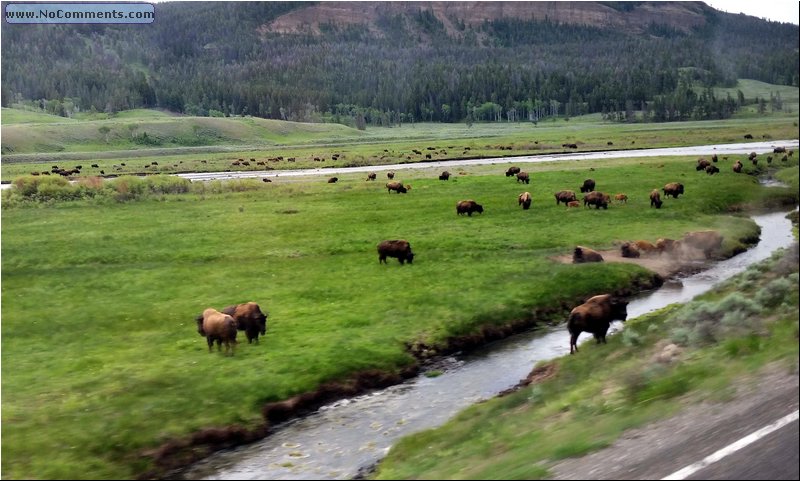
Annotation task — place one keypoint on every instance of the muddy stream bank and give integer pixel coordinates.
(342, 438)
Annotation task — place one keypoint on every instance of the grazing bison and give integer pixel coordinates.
(702, 164)
(525, 200)
(512, 171)
(737, 167)
(708, 241)
(249, 318)
(622, 198)
(565, 196)
(523, 177)
(333, 180)
(219, 327)
(779, 150)
(712, 169)
(748, 136)
(390, 175)
(655, 199)
(397, 187)
(597, 199)
(629, 249)
(673, 189)
(595, 316)
(372, 176)
(583, 254)
(468, 207)
(444, 175)
(588, 185)
(397, 248)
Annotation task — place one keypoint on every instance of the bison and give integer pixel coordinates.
(673, 189)
(444, 175)
(621, 198)
(655, 199)
(219, 327)
(333, 180)
(588, 186)
(597, 199)
(702, 164)
(372, 176)
(523, 177)
(645, 247)
(712, 169)
(595, 316)
(390, 175)
(249, 318)
(582, 255)
(398, 248)
(525, 200)
(397, 187)
(573, 203)
(468, 207)
(737, 167)
(629, 249)
(665, 245)
(565, 196)
(512, 171)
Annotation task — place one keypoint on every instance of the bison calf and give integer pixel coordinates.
(398, 248)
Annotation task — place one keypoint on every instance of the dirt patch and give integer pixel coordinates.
(665, 265)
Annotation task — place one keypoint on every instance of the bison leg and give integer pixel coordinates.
(381, 259)
(573, 342)
(210, 341)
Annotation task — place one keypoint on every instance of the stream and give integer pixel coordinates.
(350, 435)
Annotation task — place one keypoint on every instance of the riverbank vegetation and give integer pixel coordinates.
(101, 358)
(660, 362)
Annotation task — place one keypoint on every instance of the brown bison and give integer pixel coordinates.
(621, 198)
(588, 185)
(646, 247)
(655, 199)
(512, 171)
(468, 207)
(525, 200)
(673, 189)
(390, 175)
(573, 203)
(398, 248)
(737, 167)
(219, 327)
(629, 249)
(397, 187)
(666, 245)
(779, 150)
(565, 196)
(708, 241)
(702, 164)
(712, 169)
(444, 175)
(595, 316)
(523, 177)
(597, 199)
(333, 180)
(582, 255)
(249, 318)
(372, 176)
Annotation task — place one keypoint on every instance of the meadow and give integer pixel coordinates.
(101, 360)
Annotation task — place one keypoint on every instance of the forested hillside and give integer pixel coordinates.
(401, 62)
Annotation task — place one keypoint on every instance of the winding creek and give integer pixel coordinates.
(341, 438)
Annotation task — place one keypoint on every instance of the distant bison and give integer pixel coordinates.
(595, 316)
(582, 255)
(779, 150)
(665, 245)
(588, 185)
(712, 169)
(249, 318)
(673, 189)
(397, 187)
(708, 241)
(573, 203)
(597, 199)
(333, 180)
(629, 249)
(523, 177)
(372, 176)
(397, 248)
(219, 327)
(468, 207)
(444, 175)
(565, 196)
(525, 200)
(512, 171)
(390, 175)
(655, 199)
(737, 167)
(702, 164)
(621, 198)
(748, 136)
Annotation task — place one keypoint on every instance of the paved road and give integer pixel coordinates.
(666, 447)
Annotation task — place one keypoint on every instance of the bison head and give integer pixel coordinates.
(619, 309)
(200, 329)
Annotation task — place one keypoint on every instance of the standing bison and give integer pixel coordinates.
(565, 196)
(399, 248)
(597, 199)
(444, 175)
(525, 200)
(583, 254)
(673, 189)
(372, 176)
(655, 199)
(249, 318)
(512, 171)
(523, 177)
(397, 187)
(588, 186)
(468, 207)
(595, 316)
(219, 327)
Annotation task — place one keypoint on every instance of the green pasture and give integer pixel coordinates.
(190, 144)
(101, 360)
(749, 329)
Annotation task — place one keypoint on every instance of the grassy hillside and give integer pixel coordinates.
(101, 358)
(753, 89)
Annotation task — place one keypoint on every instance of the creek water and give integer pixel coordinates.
(349, 435)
